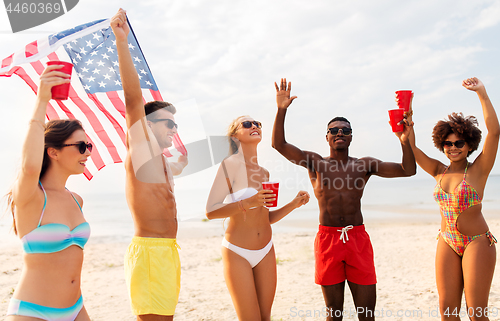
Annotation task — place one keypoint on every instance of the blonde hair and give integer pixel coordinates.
(231, 130)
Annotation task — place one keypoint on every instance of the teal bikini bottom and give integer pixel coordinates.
(28, 309)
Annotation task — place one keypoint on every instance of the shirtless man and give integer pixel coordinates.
(152, 264)
(342, 248)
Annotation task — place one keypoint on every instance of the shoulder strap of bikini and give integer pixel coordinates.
(75, 200)
(44, 203)
(443, 173)
(228, 181)
(465, 172)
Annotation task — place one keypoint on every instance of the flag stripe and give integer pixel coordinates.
(51, 113)
(87, 174)
(96, 126)
(95, 123)
(156, 94)
(117, 102)
(31, 49)
(179, 145)
(118, 143)
(96, 158)
(111, 119)
(7, 61)
(22, 73)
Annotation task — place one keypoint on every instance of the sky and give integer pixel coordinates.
(344, 58)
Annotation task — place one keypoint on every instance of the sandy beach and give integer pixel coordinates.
(404, 259)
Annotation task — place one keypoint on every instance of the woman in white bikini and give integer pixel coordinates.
(247, 248)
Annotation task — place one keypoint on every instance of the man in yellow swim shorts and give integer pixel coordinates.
(152, 266)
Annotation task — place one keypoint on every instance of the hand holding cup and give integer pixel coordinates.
(264, 197)
(404, 98)
(61, 91)
(49, 78)
(274, 188)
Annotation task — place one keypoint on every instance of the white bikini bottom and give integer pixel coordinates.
(252, 256)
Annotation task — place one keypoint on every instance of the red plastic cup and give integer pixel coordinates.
(274, 186)
(404, 98)
(395, 116)
(61, 92)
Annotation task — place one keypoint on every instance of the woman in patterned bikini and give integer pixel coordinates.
(466, 253)
(48, 217)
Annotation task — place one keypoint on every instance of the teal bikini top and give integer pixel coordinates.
(55, 237)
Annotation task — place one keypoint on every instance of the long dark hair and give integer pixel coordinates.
(56, 133)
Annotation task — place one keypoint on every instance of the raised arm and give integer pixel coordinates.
(432, 166)
(141, 142)
(486, 158)
(33, 147)
(291, 152)
(134, 107)
(407, 167)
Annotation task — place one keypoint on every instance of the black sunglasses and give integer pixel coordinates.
(82, 146)
(248, 124)
(458, 143)
(170, 123)
(335, 130)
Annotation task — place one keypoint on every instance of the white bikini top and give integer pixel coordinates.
(240, 195)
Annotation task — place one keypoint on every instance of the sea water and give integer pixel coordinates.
(384, 200)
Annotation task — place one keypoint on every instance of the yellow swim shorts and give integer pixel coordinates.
(153, 275)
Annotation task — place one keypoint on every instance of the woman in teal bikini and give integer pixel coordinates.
(247, 248)
(47, 217)
(466, 254)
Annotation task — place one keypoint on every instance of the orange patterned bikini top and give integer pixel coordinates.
(461, 198)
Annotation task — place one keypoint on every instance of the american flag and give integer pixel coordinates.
(96, 95)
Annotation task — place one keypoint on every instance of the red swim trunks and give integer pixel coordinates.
(344, 256)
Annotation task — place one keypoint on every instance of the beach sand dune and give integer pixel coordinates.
(404, 259)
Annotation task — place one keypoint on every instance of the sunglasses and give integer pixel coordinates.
(248, 124)
(82, 146)
(458, 143)
(170, 123)
(335, 131)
